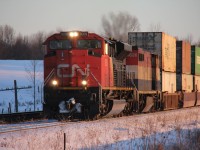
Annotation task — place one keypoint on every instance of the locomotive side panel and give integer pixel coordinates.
(106, 71)
(139, 62)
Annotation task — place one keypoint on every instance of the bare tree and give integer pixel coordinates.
(118, 25)
(21, 48)
(2, 49)
(8, 35)
(1, 34)
(36, 45)
(6, 41)
(32, 74)
(155, 27)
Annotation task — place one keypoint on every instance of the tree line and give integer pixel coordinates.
(19, 47)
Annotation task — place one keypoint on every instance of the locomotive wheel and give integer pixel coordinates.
(104, 109)
(128, 110)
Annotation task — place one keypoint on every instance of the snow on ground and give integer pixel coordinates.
(164, 130)
(21, 71)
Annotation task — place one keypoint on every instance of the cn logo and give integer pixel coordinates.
(75, 68)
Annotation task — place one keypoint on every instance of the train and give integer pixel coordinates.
(88, 76)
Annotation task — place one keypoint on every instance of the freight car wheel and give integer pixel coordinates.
(128, 110)
(138, 107)
(96, 117)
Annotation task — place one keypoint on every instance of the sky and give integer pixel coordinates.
(176, 17)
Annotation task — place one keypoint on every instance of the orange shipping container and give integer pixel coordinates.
(183, 61)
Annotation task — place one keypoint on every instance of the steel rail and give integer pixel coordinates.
(33, 125)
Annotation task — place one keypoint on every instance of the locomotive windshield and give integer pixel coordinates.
(60, 44)
(85, 44)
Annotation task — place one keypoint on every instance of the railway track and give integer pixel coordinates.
(5, 128)
(30, 125)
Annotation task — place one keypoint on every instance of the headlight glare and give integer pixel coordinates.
(84, 82)
(54, 82)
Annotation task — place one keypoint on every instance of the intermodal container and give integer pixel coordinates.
(184, 82)
(198, 99)
(158, 43)
(170, 100)
(183, 62)
(189, 99)
(197, 83)
(168, 82)
(139, 63)
(195, 60)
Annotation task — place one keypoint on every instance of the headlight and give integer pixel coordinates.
(54, 82)
(84, 82)
(73, 34)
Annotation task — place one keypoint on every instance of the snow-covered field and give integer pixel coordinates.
(164, 130)
(22, 72)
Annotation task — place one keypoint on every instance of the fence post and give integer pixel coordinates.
(9, 108)
(64, 141)
(16, 101)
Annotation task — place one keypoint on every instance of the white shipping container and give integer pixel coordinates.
(197, 83)
(184, 82)
(187, 82)
(168, 82)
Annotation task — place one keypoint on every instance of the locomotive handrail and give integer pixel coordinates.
(96, 79)
(49, 76)
(134, 85)
(100, 87)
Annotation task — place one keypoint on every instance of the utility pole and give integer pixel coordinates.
(15, 88)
